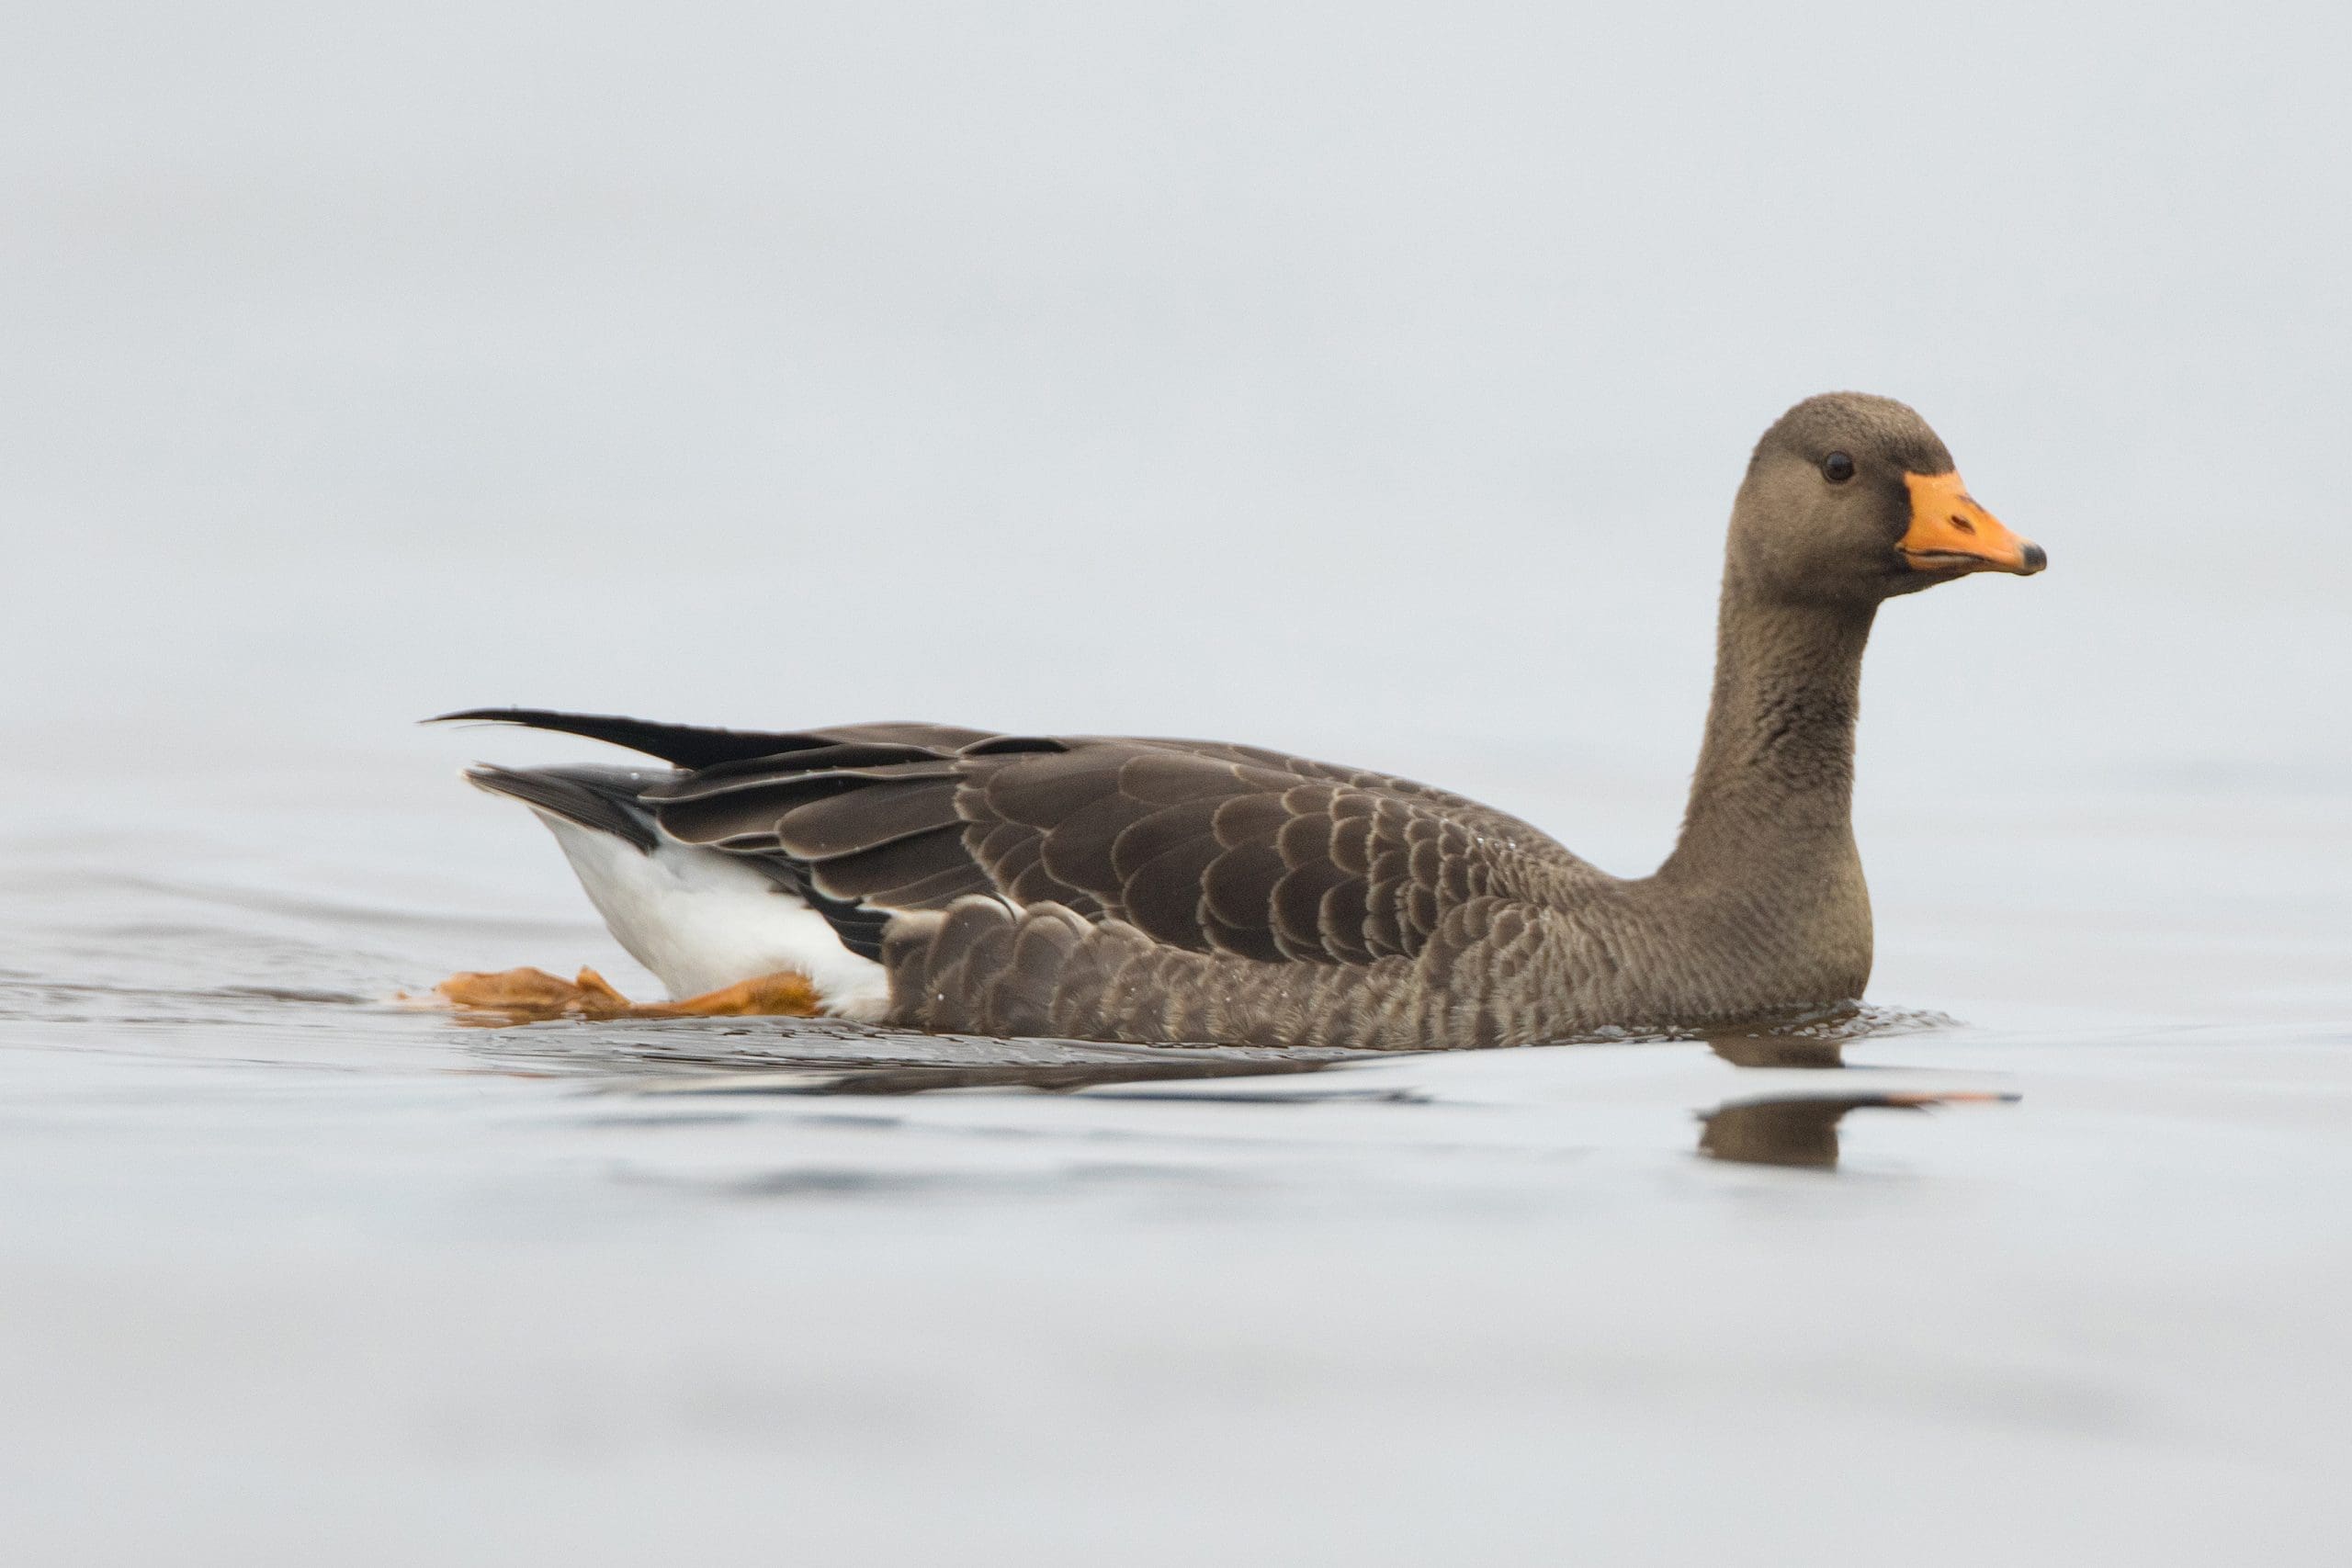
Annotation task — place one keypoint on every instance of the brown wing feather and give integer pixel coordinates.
(1202, 846)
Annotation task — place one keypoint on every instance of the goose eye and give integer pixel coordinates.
(1838, 468)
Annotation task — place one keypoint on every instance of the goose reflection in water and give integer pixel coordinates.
(1795, 1130)
(1802, 1130)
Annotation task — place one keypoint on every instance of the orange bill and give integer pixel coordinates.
(1950, 532)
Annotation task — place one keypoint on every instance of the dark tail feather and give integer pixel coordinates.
(684, 745)
(603, 800)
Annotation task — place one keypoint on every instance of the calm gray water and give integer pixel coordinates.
(1368, 382)
(290, 1273)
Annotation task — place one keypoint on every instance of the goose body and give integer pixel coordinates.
(1116, 888)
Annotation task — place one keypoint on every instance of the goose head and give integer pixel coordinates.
(1851, 499)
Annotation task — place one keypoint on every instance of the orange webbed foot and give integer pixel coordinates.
(780, 995)
(528, 995)
(522, 996)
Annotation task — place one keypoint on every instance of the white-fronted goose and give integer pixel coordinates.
(1110, 888)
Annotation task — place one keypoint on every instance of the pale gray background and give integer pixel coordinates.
(1367, 380)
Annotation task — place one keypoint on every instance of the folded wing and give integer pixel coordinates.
(1201, 846)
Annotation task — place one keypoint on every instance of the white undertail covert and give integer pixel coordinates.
(701, 919)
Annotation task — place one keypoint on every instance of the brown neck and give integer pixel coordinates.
(1772, 798)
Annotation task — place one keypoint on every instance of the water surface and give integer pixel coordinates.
(291, 1270)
